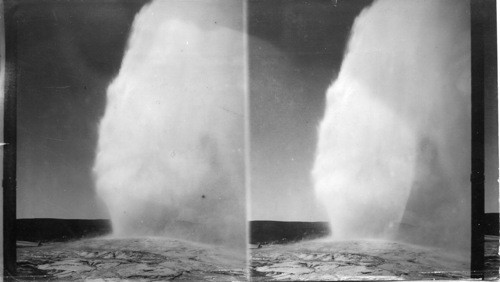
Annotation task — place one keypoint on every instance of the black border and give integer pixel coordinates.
(477, 141)
(10, 138)
(483, 29)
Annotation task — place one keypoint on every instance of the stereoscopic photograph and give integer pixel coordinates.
(249, 140)
(130, 139)
(361, 140)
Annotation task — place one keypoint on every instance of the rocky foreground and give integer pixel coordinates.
(142, 259)
(362, 260)
(160, 259)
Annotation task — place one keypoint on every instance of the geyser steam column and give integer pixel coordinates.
(393, 156)
(170, 150)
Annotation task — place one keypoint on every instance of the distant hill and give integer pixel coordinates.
(263, 232)
(50, 229)
(277, 232)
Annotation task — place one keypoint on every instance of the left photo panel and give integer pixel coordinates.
(128, 140)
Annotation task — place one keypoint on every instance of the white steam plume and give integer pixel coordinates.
(393, 155)
(170, 150)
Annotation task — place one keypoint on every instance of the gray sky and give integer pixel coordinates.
(68, 52)
(296, 48)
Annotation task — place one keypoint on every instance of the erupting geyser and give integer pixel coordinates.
(393, 156)
(170, 150)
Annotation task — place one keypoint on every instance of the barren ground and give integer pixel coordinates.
(143, 259)
(362, 260)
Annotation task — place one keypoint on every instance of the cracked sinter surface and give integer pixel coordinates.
(143, 259)
(362, 260)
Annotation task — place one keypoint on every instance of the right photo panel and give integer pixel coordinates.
(360, 133)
